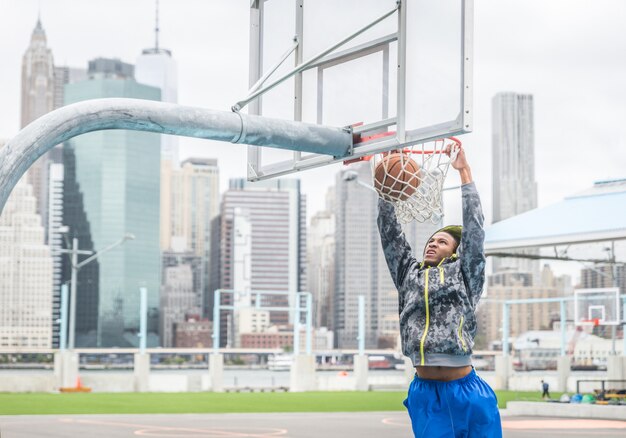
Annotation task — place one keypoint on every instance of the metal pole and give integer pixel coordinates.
(505, 329)
(79, 118)
(563, 329)
(296, 328)
(143, 319)
(216, 321)
(614, 276)
(63, 325)
(401, 72)
(361, 336)
(309, 305)
(624, 326)
(73, 281)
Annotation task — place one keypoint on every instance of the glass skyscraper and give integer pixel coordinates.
(111, 184)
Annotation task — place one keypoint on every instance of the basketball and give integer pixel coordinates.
(397, 176)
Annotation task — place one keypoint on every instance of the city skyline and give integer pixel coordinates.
(589, 96)
(515, 61)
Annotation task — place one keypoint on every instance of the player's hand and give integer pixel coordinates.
(457, 155)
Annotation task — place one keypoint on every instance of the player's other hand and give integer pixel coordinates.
(457, 154)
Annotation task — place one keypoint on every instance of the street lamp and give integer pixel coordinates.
(75, 268)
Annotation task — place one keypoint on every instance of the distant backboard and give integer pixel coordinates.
(597, 306)
(408, 72)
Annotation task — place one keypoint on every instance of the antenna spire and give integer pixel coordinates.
(156, 27)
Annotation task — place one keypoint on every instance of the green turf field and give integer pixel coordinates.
(207, 402)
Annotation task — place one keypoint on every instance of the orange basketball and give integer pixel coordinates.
(397, 176)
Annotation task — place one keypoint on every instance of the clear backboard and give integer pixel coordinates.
(375, 66)
(597, 306)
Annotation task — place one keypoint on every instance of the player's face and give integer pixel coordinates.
(440, 246)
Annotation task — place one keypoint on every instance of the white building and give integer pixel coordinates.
(155, 66)
(25, 274)
(177, 299)
(321, 264)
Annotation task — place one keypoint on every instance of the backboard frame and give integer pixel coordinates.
(462, 124)
(594, 310)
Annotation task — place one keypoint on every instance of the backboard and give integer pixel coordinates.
(395, 66)
(597, 306)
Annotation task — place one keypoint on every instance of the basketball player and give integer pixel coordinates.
(438, 298)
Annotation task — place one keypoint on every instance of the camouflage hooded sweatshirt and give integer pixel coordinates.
(437, 304)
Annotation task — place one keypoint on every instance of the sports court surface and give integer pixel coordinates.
(304, 425)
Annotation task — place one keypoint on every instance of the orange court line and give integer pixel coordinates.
(563, 424)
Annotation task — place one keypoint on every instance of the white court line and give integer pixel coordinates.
(162, 431)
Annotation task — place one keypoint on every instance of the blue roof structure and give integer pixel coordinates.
(594, 215)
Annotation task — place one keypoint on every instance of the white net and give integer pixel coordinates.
(412, 178)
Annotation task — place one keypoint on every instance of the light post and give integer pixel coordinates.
(75, 268)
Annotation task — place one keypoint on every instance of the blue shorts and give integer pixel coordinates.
(465, 407)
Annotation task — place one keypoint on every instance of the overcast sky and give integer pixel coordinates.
(570, 54)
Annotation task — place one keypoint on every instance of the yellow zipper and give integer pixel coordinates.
(441, 275)
(427, 317)
(461, 334)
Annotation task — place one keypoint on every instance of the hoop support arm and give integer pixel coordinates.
(165, 118)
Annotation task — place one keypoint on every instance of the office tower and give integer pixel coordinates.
(155, 66)
(275, 214)
(180, 285)
(603, 276)
(54, 199)
(357, 247)
(360, 265)
(25, 273)
(65, 75)
(55, 241)
(37, 99)
(192, 196)
(111, 182)
(513, 150)
(321, 266)
(177, 299)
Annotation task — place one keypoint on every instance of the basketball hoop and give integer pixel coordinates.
(593, 322)
(412, 178)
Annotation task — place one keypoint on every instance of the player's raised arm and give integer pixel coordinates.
(395, 246)
(472, 246)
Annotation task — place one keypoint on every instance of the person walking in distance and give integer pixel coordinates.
(546, 390)
(437, 302)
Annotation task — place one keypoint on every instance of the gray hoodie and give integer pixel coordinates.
(437, 304)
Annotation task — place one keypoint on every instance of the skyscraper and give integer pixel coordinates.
(155, 66)
(55, 241)
(25, 273)
(360, 265)
(191, 194)
(38, 87)
(276, 213)
(111, 182)
(513, 148)
(181, 282)
(177, 299)
(321, 265)
(54, 221)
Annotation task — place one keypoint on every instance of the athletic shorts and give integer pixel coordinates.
(466, 407)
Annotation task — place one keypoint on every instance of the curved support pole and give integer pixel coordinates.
(164, 118)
